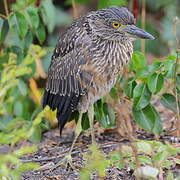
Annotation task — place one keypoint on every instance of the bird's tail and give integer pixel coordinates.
(65, 105)
(62, 119)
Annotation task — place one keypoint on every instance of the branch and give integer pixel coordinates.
(6, 7)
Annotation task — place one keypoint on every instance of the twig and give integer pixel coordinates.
(64, 153)
(6, 7)
(175, 22)
(75, 14)
(176, 96)
(143, 16)
(3, 16)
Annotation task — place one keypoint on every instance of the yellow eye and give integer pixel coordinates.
(116, 24)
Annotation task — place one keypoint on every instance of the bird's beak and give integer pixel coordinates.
(136, 33)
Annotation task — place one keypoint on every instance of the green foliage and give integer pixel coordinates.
(95, 162)
(104, 114)
(148, 118)
(4, 28)
(169, 101)
(12, 86)
(148, 81)
(104, 4)
(10, 164)
(48, 13)
(153, 157)
(12, 160)
(145, 83)
(18, 24)
(155, 82)
(20, 116)
(141, 96)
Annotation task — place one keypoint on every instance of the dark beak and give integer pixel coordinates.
(135, 32)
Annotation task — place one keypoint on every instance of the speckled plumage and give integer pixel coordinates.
(86, 61)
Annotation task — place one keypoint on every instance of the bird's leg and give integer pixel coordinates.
(77, 132)
(68, 159)
(91, 122)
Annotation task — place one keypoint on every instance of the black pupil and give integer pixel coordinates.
(116, 24)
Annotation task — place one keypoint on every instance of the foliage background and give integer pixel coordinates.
(28, 32)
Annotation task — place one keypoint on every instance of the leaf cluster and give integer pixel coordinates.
(95, 161)
(151, 159)
(150, 81)
(20, 116)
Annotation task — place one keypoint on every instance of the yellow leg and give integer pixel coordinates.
(77, 132)
(67, 160)
(91, 122)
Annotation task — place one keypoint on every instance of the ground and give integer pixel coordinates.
(53, 148)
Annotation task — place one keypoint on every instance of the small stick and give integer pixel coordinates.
(6, 7)
(63, 154)
(143, 16)
(75, 14)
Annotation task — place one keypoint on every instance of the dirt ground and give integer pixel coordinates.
(53, 148)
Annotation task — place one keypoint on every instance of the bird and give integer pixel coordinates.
(86, 62)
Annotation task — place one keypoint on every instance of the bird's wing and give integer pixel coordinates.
(67, 81)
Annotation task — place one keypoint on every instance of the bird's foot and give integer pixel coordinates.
(67, 161)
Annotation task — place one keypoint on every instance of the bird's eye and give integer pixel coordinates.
(116, 24)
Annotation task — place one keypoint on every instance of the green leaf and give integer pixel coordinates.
(85, 121)
(19, 52)
(148, 119)
(4, 28)
(144, 146)
(98, 109)
(117, 2)
(171, 72)
(104, 4)
(170, 175)
(158, 158)
(138, 62)
(3, 59)
(40, 33)
(25, 150)
(32, 17)
(143, 74)
(155, 82)
(27, 41)
(36, 135)
(178, 81)
(169, 66)
(23, 167)
(95, 162)
(18, 22)
(113, 93)
(144, 160)
(154, 66)
(141, 96)
(115, 157)
(109, 114)
(5, 120)
(167, 164)
(48, 14)
(104, 114)
(18, 108)
(169, 101)
(129, 87)
(22, 87)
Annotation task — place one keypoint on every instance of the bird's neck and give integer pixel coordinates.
(115, 53)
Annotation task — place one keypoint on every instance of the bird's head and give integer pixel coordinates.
(116, 23)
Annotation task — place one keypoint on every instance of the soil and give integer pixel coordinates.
(53, 148)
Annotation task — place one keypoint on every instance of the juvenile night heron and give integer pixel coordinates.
(86, 61)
